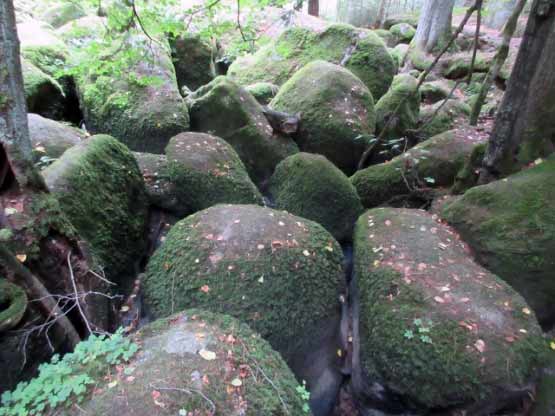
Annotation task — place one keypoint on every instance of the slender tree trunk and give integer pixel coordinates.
(524, 128)
(498, 61)
(382, 11)
(498, 13)
(313, 7)
(434, 25)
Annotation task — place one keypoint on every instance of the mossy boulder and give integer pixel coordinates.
(467, 177)
(458, 66)
(389, 39)
(404, 32)
(510, 225)
(337, 112)
(361, 51)
(43, 94)
(101, 190)
(13, 303)
(434, 91)
(432, 163)
(199, 363)
(139, 104)
(263, 91)
(403, 88)
(160, 190)
(311, 187)
(59, 14)
(51, 138)
(448, 117)
(419, 59)
(434, 326)
(398, 53)
(409, 19)
(205, 171)
(279, 273)
(193, 59)
(227, 110)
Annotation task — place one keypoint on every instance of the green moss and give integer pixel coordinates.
(468, 175)
(193, 61)
(43, 94)
(263, 91)
(311, 187)
(225, 109)
(204, 171)
(403, 86)
(511, 227)
(434, 91)
(337, 112)
(419, 59)
(404, 32)
(169, 363)
(101, 190)
(447, 117)
(13, 303)
(459, 66)
(415, 344)
(60, 14)
(296, 47)
(434, 162)
(277, 272)
(388, 37)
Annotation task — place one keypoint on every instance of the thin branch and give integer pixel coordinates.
(476, 40)
(81, 312)
(421, 80)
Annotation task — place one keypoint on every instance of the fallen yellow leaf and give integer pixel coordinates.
(207, 355)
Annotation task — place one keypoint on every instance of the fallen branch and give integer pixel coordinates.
(35, 289)
(77, 302)
(476, 40)
(421, 80)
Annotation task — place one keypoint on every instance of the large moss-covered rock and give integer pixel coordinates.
(50, 138)
(398, 53)
(458, 66)
(226, 110)
(435, 327)
(337, 112)
(361, 51)
(139, 104)
(434, 162)
(510, 225)
(434, 91)
(406, 117)
(193, 60)
(43, 94)
(310, 186)
(59, 14)
(275, 271)
(196, 363)
(13, 303)
(205, 171)
(404, 32)
(101, 190)
(433, 122)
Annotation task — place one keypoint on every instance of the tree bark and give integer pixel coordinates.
(498, 13)
(382, 11)
(524, 127)
(434, 25)
(498, 61)
(313, 7)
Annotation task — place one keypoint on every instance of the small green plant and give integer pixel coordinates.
(305, 396)
(67, 377)
(421, 331)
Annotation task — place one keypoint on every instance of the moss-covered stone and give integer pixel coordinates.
(544, 399)
(448, 117)
(510, 224)
(101, 190)
(310, 186)
(411, 19)
(140, 104)
(434, 326)
(277, 62)
(263, 91)
(199, 363)
(193, 59)
(398, 53)
(458, 66)
(467, 177)
(59, 14)
(406, 117)
(337, 112)
(13, 303)
(205, 171)
(419, 59)
(226, 110)
(50, 138)
(277, 272)
(389, 39)
(43, 94)
(404, 32)
(434, 91)
(432, 163)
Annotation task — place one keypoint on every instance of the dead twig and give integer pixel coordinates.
(188, 391)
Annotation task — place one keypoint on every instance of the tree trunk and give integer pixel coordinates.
(524, 128)
(498, 61)
(434, 25)
(313, 6)
(382, 11)
(498, 13)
